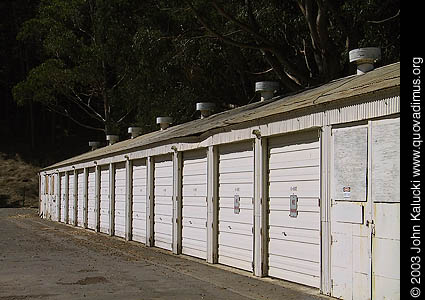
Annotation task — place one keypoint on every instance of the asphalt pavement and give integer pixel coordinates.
(41, 259)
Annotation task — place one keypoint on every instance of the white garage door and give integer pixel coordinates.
(71, 199)
(63, 197)
(91, 193)
(194, 205)
(104, 199)
(163, 202)
(236, 191)
(294, 247)
(139, 201)
(120, 199)
(80, 197)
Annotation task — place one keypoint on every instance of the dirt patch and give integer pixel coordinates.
(86, 281)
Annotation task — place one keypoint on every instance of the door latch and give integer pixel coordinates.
(371, 225)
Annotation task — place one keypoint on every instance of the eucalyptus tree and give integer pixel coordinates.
(89, 60)
(303, 42)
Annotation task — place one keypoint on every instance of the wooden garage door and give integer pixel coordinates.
(104, 199)
(163, 202)
(294, 247)
(71, 199)
(80, 197)
(139, 201)
(91, 193)
(63, 193)
(120, 199)
(236, 189)
(194, 205)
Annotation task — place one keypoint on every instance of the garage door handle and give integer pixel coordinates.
(284, 233)
(190, 222)
(229, 227)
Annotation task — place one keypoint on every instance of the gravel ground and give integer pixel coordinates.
(42, 259)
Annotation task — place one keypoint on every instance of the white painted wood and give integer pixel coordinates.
(351, 237)
(120, 192)
(75, 199)
(163, 202)
(139, 193)
(385, 173)
(212, 204)
(386, 251)
(80, 198)
(150, 164)
(111, 187)
(350, 212)
(71, 197)
(63, 196)
(86, 198)
(177, 202)
(58, 197)
(350, 163)
(325, 206)
(194, 204)
(235, 231)
(260, 206)
(294, 247)
(128, 200)
(91, 192)
(104, 199)
(97, 198)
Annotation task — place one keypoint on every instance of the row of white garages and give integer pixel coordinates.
(163, 201)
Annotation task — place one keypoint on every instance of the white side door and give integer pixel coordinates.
(139, 200)
(194, 205)
(236, 213)
(71, 199)
(104, 199)
(350, 210)
(80, 197)
(163, 202)
(294, 236)
(120, 199)
(63, 193)
(91, 201)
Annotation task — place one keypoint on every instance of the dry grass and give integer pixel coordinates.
(18, 182)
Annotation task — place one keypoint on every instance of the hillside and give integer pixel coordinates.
(18, 182)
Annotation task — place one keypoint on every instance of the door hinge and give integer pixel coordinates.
(332, 239)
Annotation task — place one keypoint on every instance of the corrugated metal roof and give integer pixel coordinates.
(340, 89)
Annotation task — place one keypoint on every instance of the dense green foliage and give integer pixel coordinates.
(108, 64)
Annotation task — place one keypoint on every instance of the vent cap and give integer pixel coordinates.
(206, 108)
(164, 122)
(134, 131)
(112, 138)
(94, 145)
(266, 89)
(364, 58)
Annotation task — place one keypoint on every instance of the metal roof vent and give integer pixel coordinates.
(364, 58)
(134, 131)
(94, 145)
(164, 122)
(206, 108)
(266, 89)
(112, 138)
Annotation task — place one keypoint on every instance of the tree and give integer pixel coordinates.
(304, 42)
(89, 61)
(107, 64)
